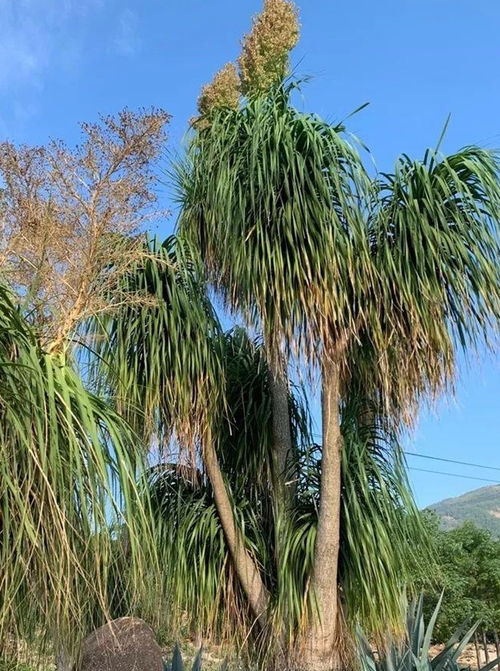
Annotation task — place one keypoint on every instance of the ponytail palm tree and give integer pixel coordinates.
(69, 504)
(380, 277)
(164, 359)
(274, 200)
(200, 575)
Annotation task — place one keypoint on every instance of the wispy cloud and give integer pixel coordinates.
(36, 35)
(126, 41)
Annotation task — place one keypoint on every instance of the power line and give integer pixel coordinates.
(452, 461)
(456, 475)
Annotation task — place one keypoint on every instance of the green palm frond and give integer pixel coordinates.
(294, 234)
(70, 508)
(199, 575)
(157, 350)
(380, 526)
(273, 200)
(435, 241)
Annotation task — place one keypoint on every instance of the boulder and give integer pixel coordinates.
(126, 644)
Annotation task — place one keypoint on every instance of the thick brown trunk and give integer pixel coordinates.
(282, 435)
(284, 478)
(245, 567)
(321, 649)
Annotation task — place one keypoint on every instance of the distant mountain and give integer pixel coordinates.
(481, 506)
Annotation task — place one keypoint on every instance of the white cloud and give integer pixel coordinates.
(126, 41)
(36, 35)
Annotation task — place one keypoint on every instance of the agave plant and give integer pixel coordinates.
(177, 663)
(414, 654)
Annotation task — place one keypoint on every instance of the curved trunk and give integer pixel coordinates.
(245, 567)
(321, 651)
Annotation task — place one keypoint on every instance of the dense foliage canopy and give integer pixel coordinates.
(467, 572)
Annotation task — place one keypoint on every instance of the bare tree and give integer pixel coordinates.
(72, 220)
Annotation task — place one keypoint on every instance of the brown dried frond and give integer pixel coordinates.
(223, 91)
(72, 220)
(264, 60)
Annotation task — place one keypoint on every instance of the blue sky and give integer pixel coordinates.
(415, 61)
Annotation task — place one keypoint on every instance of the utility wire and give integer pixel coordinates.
(449, 461)
(452, 461)
(456, 475)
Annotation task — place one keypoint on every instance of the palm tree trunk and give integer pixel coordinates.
(282, 437)
(281, 430)
(284, 479)
(321, 650)
(245, 567)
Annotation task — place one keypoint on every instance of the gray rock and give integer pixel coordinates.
(126, 644)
